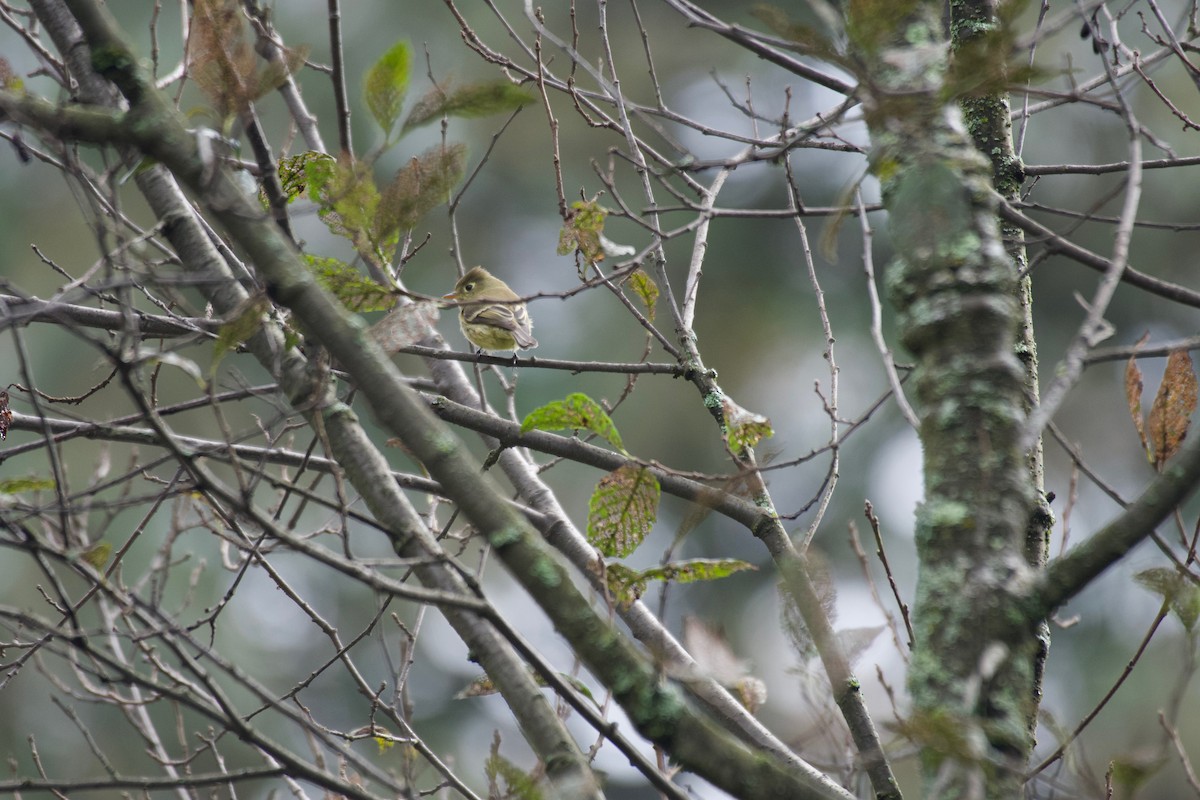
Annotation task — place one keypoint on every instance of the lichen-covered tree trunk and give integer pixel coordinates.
(955, 288)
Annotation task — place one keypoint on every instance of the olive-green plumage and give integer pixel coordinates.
(491, 315)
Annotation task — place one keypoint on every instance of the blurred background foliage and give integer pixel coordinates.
(757, 325)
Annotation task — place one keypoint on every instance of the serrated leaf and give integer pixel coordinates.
(623, 510)
(1133, 393)
(1171, 413)
(582, 230)
(475, 100)
(30, 484)
(1181, 594)
(319, 171)
(354, 290)
(576, 412)
(386, 84)
(421, 185)
(247, 322)
(349, 206)
(625, 585)
(294, 172)
(404, 325)
(744, 429)
(646, 289)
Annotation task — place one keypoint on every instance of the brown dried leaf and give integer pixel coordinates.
(1133, 391)
(1171, 413)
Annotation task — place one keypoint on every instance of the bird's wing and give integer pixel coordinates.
(511, 317)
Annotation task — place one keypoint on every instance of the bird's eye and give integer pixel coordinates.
(469, 287)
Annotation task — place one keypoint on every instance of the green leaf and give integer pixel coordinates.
(30, 484)
(625, 585)
(294, 172)
(519, 784)
(386, 84)
(623, 510)
(576, 412)
(249, 319)
(420, 186)
(356, 291)
(1178, 592)
(744, 428)
(697, 569)
(646, 289)
(475, 100)
(349, 206)
(582, 230)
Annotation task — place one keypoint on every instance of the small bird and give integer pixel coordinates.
(491, 315)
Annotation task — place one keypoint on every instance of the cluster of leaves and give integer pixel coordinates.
(344, 190)
(624, 506)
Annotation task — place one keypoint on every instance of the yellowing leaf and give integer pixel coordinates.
(30, 484)
(1171, 413)
(623, 510)
(646, 289)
